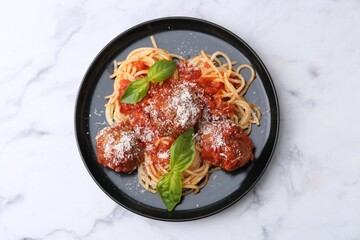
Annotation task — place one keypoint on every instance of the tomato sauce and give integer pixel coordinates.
(139, 65)
(159, 114)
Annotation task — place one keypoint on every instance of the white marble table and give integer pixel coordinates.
(311, 190)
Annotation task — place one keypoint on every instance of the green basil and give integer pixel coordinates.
(170, 189)
(161, 70)
(158, 72)
(182, 153)
(136, 91)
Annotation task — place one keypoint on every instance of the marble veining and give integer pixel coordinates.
(311, 189)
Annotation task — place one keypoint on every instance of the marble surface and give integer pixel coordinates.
(311, 190)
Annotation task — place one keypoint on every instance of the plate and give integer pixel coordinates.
(186, 37)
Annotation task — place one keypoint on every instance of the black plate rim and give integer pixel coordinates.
(273, 102)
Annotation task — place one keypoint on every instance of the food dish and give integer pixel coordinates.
(157, 99)
(171, 31)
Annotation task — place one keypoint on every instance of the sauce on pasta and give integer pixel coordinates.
(205, 93)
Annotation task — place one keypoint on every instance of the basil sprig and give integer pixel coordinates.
(161, 70)
(136, 90)
(158, 72)
(182, 153)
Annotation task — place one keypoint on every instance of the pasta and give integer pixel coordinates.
(208, 88)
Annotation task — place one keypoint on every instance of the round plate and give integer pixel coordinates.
(186, 37)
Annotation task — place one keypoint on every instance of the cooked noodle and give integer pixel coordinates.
(219, 68)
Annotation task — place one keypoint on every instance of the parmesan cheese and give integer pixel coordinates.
(185, 107)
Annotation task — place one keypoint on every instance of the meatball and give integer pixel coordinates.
(224, 144)
(140, 122)
(174, 110)
(118, 148)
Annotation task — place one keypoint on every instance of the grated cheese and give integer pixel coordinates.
(185, 107)
(164, 155)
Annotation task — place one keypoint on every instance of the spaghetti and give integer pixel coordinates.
(206, 88)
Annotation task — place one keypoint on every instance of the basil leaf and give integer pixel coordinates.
(158, 72)
(170, 189)
(136, 91)
(161, 70)
(182, 151)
